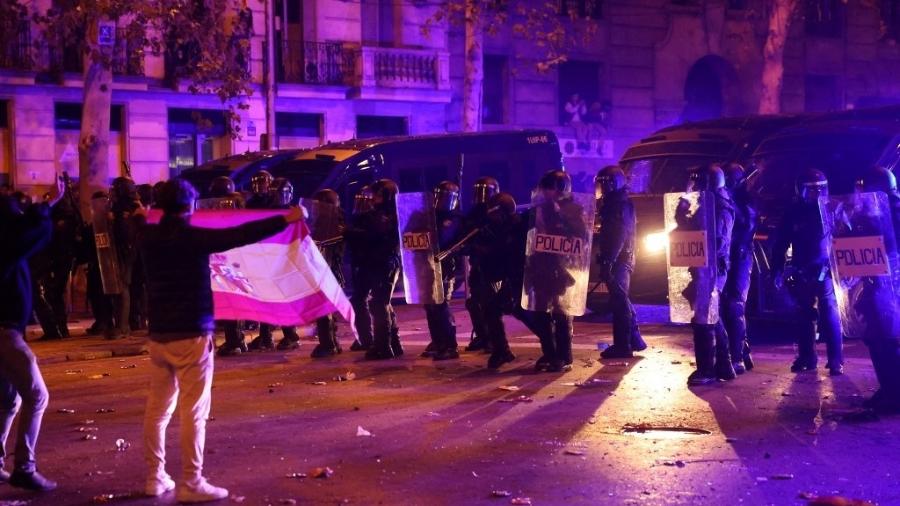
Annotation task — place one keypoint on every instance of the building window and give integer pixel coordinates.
(67, 124)
(824, 18)
(67, 116)
(581, 9)
(822, 94)
(380, 126)
(298, 130)
(890, 15)
(579, 82)
(378, 22)
(196, 136)
(493, 109)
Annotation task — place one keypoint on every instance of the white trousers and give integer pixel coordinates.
(181, 376)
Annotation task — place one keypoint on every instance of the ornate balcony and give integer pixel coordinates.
(18, 54)
(403, 68)
(306, 62)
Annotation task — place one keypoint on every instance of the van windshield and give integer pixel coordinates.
(307, 175)
(662, 174)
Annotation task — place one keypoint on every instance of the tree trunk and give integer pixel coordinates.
(93, 145)
(474, 69)
(780, 17)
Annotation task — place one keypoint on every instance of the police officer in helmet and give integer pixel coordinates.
(378, 269)
(737, 286)
(618, 223)
(711, 346)
(124, 200)
(803, 230)
(441, 324)
(326, 326)
(357, 247)
(485, 188)
(882, 336)
(260, 184)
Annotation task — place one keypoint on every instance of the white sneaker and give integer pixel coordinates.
(200, 491)
(158, 485)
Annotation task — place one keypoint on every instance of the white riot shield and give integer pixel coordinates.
(107, 257)
(324, 220)
(422, 283)
(218, 203)
(864, 263)
(691, 257)
(558, 254)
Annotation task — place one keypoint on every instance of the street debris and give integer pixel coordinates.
(289, 502)
(322, 472)
(121, 496)
(66, 411)
(761, 479)
(102, 411)
(500, 493)
(238, 498)
(617, 364)
(360, 432)
(587, 363)
(833, 500)
(86, 429)
(89, 437)
(521, 501)
(675, 362)
(122, 445)
(348, 376)
(74, 371)
(782, 476)
(577, 453)
(593, 382)
(602, 346)
(508, 388)
(129, 366)
(98, 376)
(276, 385)
(521, 398)
(295, 476)
(643, 428)
(87, 421)
(433, 414)
(319, 383)
(674, 463)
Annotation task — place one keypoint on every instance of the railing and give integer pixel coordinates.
(128, 58)
(315, 62)
(17, 55)
(404, 68)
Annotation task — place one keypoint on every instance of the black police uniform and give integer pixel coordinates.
(441, 324)
(802, 229)
(737, 286)
(480, 291)
(51, 269)
(618, 224)
(123, 234)
(326, 327)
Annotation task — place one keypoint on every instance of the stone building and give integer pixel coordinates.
(347, 68)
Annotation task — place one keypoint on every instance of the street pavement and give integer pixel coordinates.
(608, 432)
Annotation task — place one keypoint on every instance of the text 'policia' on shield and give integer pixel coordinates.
(688, 248)
(416, 241)
(860, 256)
(558, 244)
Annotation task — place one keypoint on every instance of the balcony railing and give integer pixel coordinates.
(315, 62)
(17, 54)
(128, 58)
(404, 68)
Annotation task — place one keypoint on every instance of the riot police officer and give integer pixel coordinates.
(810, 283)
(357, 248)
(378, 268)
(222, 187)
(618, 224)
(260, 185)
(484, 189)
(124, 200)
(711, 347)
(882, 337)
(441, 324)
(553, 324)
(326, 327)
(271, 193)
(737, 286)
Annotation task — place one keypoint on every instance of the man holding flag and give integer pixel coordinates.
(176, 257)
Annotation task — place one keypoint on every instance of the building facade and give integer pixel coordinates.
(359, 69)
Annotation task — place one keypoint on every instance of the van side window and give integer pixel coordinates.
(421, 179)
(499, 170)
(639, 174)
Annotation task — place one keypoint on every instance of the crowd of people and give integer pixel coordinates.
(163, 283)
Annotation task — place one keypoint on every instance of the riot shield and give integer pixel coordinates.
(691, 257)
(107, 257)
(218, 203)
(558, 254)
(422, 283)
(324, 220)
(864, 263)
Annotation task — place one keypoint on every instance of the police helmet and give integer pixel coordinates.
(709, 177)
(221, 187)
(502, 206)
(556, 180)
(878, 179)
(327, 196)
(811, 185)
(362, 201)
(282, 191)
(123, 190)
(384, 193)
(485, 188)
(609, 179)
(261, 182)
(446, 196)
(734, 175)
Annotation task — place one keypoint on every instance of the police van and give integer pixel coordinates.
(517, 159)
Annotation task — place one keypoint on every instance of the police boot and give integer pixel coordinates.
(358, 346)
(500, 357)
(748, 359)
(396, 347)
(621, 347)
(637, 342)
(380, 350)
(231, 350)
(429, 350)
(736, 350)
(261, 343)
(806, 357)
(886, 361)
(704, 356)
